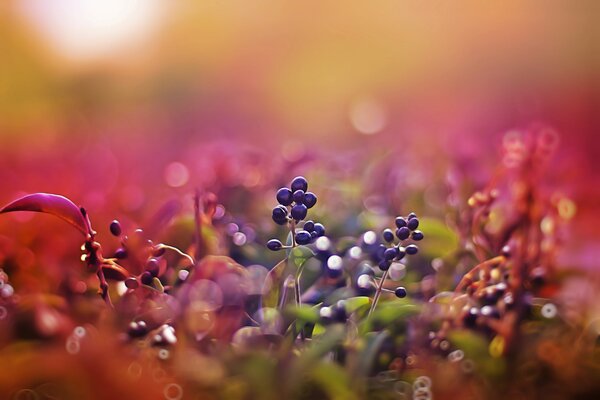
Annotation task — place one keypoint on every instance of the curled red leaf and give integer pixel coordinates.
(53, 204)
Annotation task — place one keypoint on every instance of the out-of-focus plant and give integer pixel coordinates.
(330, 320)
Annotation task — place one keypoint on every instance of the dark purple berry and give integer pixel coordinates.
(284, 196)
(147, 278)
(115, 228)
(302, 237)
(412, 249)
(390, 254)
(313, 235)
(411, 216)
(310, 199)
(401, 252)
(159, 251)
(280, 215)
(384, 265)
(339, 312)
(320, 229)
(417, 235)
(403, 233)
(299, 183)
(137, 329)
(470, 317)
(274, 245)
(388, 235)
(299, 212)
(413, 223)
(379, 251)
(309, 226)
(400, 292)
(121, 253)
(131, 283)
(298, 196)
(152, 266)
(400, 222)
(334, 266)
(490, 312)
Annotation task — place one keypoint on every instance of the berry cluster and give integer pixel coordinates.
(405, 228)
(390, 248)
(297, 198)
(294, 203)
(6, 289)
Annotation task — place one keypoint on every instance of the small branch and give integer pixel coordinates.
(378, 293)
(181, 253)
(198, 224)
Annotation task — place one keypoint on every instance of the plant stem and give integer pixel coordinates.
(378, 293)
(181, 253)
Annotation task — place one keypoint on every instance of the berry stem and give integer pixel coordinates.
(293, 232)
(181, 253)
(378, 293)
(197, 224)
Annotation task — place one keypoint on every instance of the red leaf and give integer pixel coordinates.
(53, 204)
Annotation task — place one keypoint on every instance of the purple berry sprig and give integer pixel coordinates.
(294, 203)
(396, 250)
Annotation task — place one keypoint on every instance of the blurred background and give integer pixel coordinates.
(121, 104)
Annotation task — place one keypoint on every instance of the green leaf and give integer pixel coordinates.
(278, 276)
(439, 239)
(318, 348)
(374, 341)
(354, 304)
(391, 311)
(333, 380)
(304, 313)
(273, 284)
(299, 255)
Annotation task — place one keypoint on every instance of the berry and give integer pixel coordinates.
(334, 266)
(490, 312)
(403, 233)
(412, 249)
(147, 278)
(411, 216)
(320, 229)
(137, 329)
(390, 254)
(280, 215)
(302, 237)
(400, 292)
(384, 265)
(310, 199)
(115, 228)
(299, 183)
(413, 223)
(314, 235)
(309, 226)
(298, 196)
(121, 253)
(401, 252)
(274, 245)
(299, 212)
(417, 235)
(470, 317)
(284, 196)
(159, 251)
(152, 266)
(131, 283)
(388, 235)
(400, 222)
